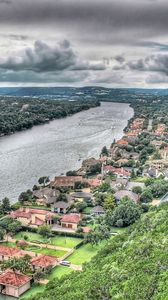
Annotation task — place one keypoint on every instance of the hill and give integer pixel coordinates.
(133, 266)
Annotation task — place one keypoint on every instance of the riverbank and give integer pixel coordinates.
(59, 146)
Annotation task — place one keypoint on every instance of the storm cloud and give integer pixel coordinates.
(112, 41)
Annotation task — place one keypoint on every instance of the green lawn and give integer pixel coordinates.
(33, 291)
(61, 241)
(58, 272)
(36, 249)
(117, 229)
(66, 242)
(84, 253)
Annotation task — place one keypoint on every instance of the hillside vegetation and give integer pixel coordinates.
(133, 266)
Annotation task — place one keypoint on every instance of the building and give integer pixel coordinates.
(164, 153)
(66, 181)
(119, 195)
(97, 210)
(131, 184)
(60, 207)
(14, 284)
(8, 252)
(33, 217)
(45, 196)
(82, 195)
(43, 262)
(71, 221)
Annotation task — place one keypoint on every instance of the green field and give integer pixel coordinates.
(38, 249)
(61, 241)
(84, 253)
(34, 290)
(58, 272)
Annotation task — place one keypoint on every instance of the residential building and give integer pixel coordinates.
(71, 221)
(33, 217)
(13, 283)
(97, 210)
(43, 262)
(119, 195)
(66, 181)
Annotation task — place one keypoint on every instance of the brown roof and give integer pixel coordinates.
(13, 279)
(44, 261)
(8, 251)
(66, 180)
(123, 193)
(73, 218)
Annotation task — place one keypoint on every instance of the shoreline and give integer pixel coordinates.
(95, 143)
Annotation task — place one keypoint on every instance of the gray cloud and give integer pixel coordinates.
(45, 58)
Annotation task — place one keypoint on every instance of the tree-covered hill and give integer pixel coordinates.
(20, 113)
(133, 266)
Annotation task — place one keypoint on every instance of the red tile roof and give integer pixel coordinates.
(73, 218)
(38, 222)
(13, 279)
(8, 251)
(44, 261)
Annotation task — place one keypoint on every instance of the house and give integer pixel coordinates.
(43, 262)
(122, 142)
(8, 252)
(66, 181)
(60, 207)
(97, 210)
(71, 221)
(14, 284)
(124, 193)
(119, 172)
(156, 143)
(164, 153)
(131, 184)
(94, 182)
(119, 183)
(46, 196)
(81, 195)
(33, 217)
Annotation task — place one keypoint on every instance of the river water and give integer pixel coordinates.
(59, 146)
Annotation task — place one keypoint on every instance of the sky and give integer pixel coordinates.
(111, 43)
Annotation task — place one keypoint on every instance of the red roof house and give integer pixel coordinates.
(14, 284)
(71, 221)
(43, 261)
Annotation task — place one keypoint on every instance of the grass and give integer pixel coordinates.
(59, 271)
(61, 241)
(33, 291)
(37, 249)
(66, 242)
(117, 229)
(85, 253)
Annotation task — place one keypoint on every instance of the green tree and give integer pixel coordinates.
(109, 202)
(126, 213)
(137, 189)
(6, 207)
(22, 264)
(104, 151)
(44, 180)
(146, 196)
(44, 230)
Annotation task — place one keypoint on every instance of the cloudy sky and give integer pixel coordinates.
(113, 43)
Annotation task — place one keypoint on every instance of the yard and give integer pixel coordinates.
(61, 241)
(33, 291)
(59, 271)
(85, 253)
(38, 249)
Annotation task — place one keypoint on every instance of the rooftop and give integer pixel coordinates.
(13, 279)
(72, 218)
(44, 261)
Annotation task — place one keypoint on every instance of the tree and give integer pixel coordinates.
(5, 205)
(44, 180)
(2, 233)
(104, 151)
(71, 173)
(22, 264)
(14, 227)
(146, 196)
(109, 202)
(137, 189)
(126, 213)
(26, 196)
(44, 230)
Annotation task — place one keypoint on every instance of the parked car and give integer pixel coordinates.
(65, 263)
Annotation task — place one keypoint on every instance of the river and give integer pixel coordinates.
(59, 146)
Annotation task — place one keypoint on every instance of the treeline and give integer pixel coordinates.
(132, 266)
(17, 114)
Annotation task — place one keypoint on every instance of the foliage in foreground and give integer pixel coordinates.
(133, 266)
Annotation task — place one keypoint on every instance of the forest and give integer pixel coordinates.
(132, 266)
(21, 113)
